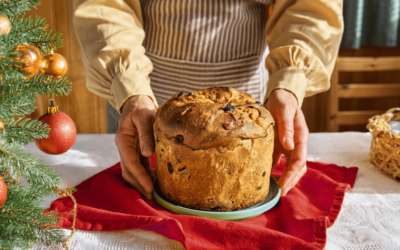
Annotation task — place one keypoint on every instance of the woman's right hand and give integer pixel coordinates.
(135, 142)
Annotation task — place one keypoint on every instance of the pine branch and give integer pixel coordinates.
(9, 67)
(9, 70)
(47, 85)
(48, 42)
(22, 221)
(17, 7)
(47, 236)
(29, 31)
(40, 84)
(17, 105)
(19, 34)
(24, 130)
(14, 158)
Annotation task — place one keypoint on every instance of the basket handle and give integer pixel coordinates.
(375, 125)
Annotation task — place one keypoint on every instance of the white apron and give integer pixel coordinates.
(196, 44)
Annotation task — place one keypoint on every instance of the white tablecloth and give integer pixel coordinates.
(369, 219)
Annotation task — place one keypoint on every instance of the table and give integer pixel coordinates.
(369, 219)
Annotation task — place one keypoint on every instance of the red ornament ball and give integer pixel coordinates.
(3, 192)
(62, 133)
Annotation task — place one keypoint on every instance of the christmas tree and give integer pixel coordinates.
(24, 41)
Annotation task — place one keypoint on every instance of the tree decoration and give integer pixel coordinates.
(5, 25)
(54, 65)
(62, 131)
(30, 58)
(26, 179)
(3, 192)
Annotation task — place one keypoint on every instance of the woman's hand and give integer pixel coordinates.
(135, 142)
(291, 139)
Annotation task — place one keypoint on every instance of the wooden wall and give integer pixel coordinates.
(88, 110)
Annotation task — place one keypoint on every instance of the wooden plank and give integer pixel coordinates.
(310, 116)
(356, 117)
(333, 103)
(356, 90)
(351, 64)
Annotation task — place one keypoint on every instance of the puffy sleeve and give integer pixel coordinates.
(111, 34)
(303, 37)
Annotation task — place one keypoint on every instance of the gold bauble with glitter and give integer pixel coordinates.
(5, 25)
(54, 65)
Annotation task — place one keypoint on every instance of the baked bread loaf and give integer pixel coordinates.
(214, 150)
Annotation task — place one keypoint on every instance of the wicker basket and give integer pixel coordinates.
(385, 146)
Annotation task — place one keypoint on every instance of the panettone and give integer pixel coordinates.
(214, 150)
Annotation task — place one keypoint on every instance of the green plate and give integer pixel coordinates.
(250, 212)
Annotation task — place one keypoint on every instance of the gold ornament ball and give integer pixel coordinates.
(1, 126)
(54, 65)
(5, 25)
(30, 59)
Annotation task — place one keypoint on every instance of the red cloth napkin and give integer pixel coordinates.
(299, 220)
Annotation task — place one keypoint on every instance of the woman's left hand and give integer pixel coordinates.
(292, 137)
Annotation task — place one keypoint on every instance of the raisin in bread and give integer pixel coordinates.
(214, 150)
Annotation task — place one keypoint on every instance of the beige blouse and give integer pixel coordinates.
(303, 38)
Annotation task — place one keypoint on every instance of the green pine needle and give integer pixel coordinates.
(40, 84)
(47, 85)
(18, 105)
(22, 219)
(19, 162)
(25, 217)
(24, 130)
(29, 31)
(17, 7)
(9, 70)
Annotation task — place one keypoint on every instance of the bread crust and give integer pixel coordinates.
(211, 156)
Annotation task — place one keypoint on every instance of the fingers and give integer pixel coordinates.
(291, 176)
(134, 183)
(276, 158)
(146, 138)
(296, 179)
(130, 160)
(292, 136)
(140, 112)
(296, 165)
(285, 127)
(146, 163)
(134, 139)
